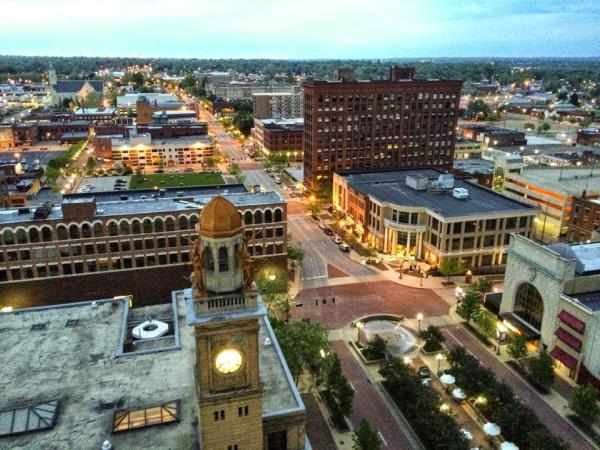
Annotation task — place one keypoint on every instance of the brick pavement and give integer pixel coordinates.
(367, 403)
(456, 335)
(316, 425)
(359, 299)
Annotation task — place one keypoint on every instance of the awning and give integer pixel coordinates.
(529, 333)
(572, 321)
(564, 357)
(569, 339)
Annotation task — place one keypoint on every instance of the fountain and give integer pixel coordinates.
(399, 339)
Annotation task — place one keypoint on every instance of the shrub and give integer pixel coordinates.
(433, 338)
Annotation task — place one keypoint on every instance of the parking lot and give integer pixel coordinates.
(102, 184)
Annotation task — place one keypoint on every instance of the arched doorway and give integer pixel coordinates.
(529, 305)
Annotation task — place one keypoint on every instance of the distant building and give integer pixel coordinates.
(30, 133)
(281, 105)
(494, 136)
(143, 151)
(584, 222)
(174, 117)
(283, 137)
(428, 215)
(216, 77)
(552, 298)
(402, 122)
(214, 376)
(7, 137)
(97, 115)
(467, 149)
(75, 90)
(145, 108)
(128, 242)
(241, 90)
(588, 136)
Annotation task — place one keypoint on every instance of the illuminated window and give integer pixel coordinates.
(28, 419)
(146, 417)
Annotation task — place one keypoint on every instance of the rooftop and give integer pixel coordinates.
(74, 354)
(567, 181)
(138, 202)
(390, 187)
(587, 256)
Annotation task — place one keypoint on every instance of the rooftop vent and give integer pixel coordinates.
(72, 323)
(267, 342)
(41, 212)
(150, 329)
(460, 193)
(444, 181)
(106, 445)
(417, 182)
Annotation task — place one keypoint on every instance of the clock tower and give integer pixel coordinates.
(225, 314)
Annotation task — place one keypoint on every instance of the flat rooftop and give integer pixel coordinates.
(390, 187)
(73, 354)
(110, 204)
(567, 181)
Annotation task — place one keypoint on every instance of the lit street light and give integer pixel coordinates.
(439, 358)
(419, 318)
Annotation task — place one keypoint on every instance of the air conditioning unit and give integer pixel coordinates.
(460, 193)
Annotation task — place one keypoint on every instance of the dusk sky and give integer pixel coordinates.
(301, 29)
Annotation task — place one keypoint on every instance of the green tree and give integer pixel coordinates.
(89, 165)
(433, 338)
(376, 348)
(483, 285)
(337, 384)
(239, 178)
(295, 253)
(574, 99)
(544, 127)
(478, 109)
(584, 403)
(561, 96)
(486, 322)
(469, 306)
(315, 207)
(210, 162)
(127, 170)
(234, 169)
(529, 126)
(450, 267)
(541, 368)
(365, 437)
(243, 121)
(498, 183)
(92, 100)
(517, 349)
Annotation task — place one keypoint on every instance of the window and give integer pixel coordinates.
(248, 218)
(242, 411)
(219, 415)
(28, 419)
(232, 447)
(529, 305)
(223, 260)
(146, 417)
(277, 440)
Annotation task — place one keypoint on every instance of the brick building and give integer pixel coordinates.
(494, 136)
(584, 222)
(136, 237)
(279, 137)
(588, 136)
(280, 105)
(378, 124)
(146, 107)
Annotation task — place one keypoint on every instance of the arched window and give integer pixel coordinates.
(46, 234)
(183, 223)
(61, 230)
(124, 228)
(210, 261)
(147, 226)
(193, 221)
(248, 218)
(529, 305)
(9, 237)
(159, 225)
(278, 215)
(258, 217)
(98, 229)
(113, 229)
(86, 230)
(170, 224)
(268, 216)
(74, 232)
(223, 259)
(136, 228)
(34, 235)
(21, 236)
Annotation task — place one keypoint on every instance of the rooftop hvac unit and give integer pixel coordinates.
(417, 182)
(444, 181)
(460, 193)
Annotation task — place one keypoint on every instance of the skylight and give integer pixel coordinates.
(28, 419)
(130, 419)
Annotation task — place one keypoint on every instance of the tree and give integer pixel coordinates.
(295, 253)
(450, 267)
(469, 305)
(127, 170)
(561, 96)
(541, 368)
(543, 127)
(89, 165)
(433, 338)
(338, 385)
(239, 178)
(365, 437)
(234, 169)
(376, 348)
(92, 100)
(574, 99)
(483, 285)
(529, 126)
(517, 349)
(243, 121)
(486, 322)
(210, 162)
(315, 207)
(477, 109)
(584, 403)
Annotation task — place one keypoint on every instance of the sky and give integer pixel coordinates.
(301, 28)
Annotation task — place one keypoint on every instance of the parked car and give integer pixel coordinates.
(344, 247)
(328, 231)
(277, 180)
(321, 225)
(337, 239)
(424, 372)
(189, 169)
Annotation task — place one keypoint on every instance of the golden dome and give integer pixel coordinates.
(220, 219)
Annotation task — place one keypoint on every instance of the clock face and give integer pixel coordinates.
(228, 361)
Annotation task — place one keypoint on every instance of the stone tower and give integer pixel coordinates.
(52, 80)
(226, 320)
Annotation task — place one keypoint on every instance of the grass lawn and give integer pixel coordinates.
(165, 180)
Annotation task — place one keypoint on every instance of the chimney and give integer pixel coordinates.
(402, 73)
(343, 74)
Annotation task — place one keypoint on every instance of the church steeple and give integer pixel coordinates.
(52, 80)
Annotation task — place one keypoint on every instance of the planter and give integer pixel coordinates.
(485, 341)
(585, 428)
(336, 416)
(442, 349)
(525, 375)
(363, 358)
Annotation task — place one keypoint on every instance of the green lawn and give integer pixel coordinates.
(164, 180)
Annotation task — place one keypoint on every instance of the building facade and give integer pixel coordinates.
(242, 90)
(552, 297)
(214, 379)
(141, 235)
(427, 215)
(380, 124)
(588, 136)
(279, 137)
(584, 222)
(282, 105)
(493, 136)
(467, 149)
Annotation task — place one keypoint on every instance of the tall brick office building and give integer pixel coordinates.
(378, 124)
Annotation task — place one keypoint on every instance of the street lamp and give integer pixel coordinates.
(419, 318)
(439, 358)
